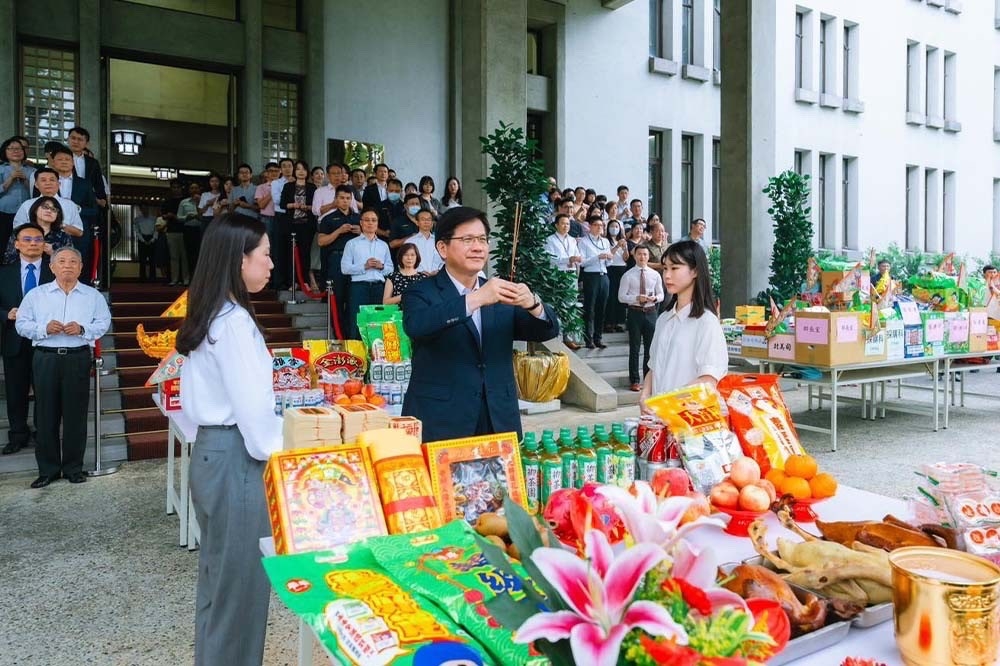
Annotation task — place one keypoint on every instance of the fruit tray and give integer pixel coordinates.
(739, 520)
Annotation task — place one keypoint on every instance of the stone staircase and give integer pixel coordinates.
(612, 365)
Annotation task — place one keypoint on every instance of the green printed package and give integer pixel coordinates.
(362, 616)
(381, 328)
(447, 566)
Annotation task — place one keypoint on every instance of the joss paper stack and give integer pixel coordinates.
(311, 427)
(358, 418)
(404, 484)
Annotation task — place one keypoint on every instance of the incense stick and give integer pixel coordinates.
(515, 238)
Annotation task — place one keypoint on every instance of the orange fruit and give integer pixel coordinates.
(342, 399)
(823, 485)
(775, 476)
(358, 399)
(801, 465)
(796, 487)
(377, 400)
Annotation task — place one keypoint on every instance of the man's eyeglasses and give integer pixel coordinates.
(32, 239)
(469, 241)
(49, 207)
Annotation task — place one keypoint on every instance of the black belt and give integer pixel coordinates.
(62, 351)
(217, 427)
(642, 309)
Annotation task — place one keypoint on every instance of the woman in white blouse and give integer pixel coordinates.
(688, 345)
(226, 390)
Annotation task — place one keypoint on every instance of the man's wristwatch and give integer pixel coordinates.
(81, 329)
(534, 305)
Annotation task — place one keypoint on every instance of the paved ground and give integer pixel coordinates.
(92, 574)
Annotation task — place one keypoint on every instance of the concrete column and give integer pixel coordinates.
(89, 110)
(312, 100)
(749, 130)
(493, 69)
(250, 93)
(8, 67)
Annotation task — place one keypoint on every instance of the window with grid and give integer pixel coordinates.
(280, 119)
(717, 35)
(48, 96)
(655, 196)
(800, 20)
(687, 32)
(282, 14)
(716, 184)
(687, 179)
(656, 28)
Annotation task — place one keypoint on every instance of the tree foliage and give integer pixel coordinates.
(793, 235)
(516, 176)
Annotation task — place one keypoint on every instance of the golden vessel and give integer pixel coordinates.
(946, 611)
(155, 345)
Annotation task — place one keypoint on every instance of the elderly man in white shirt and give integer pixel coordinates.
(47, 182)
(368, 261)
(430, 259)
(641, 291)
(565, 254)
(595, 250)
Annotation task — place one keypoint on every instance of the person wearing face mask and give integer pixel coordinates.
(596, 253)
(391, 209)
(405, 224)
(614, 316)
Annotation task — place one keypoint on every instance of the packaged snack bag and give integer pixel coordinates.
(760, 418)
(382, 332)
(361, 615)
(448, 567)
(290, 369)
(694, 416)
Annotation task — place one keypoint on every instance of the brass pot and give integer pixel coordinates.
(946, 611)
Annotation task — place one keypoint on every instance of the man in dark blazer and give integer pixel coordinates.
(378, 191)
(462, 328)
(85, 165)
(82, 194)
(17, 351)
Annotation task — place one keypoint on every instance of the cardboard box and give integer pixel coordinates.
(750, 315)
(956, 333)
(876, 347)
(933, 329)
(754, 342)
(978, 330)
(895, 340)
(829, 338)
(993, 335)
(781, 347)
(913, 329)
(170, 394)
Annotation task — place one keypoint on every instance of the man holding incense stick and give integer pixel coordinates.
(462, 328)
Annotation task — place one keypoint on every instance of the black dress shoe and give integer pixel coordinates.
(12, 447)
(591, 345)
(43, 481)
(77, 477)
(600, 345)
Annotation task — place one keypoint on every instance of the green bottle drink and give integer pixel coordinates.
(605, 460)
(599, 429)
(531, 461)
(567, 451)
(546, 432)
(551, 468)
(624, 460)
(586, 462)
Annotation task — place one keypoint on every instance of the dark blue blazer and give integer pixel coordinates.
(451, 369)
(84, 197)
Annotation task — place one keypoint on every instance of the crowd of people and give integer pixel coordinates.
(369, 236)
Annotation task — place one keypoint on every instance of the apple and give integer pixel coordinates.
(368, 390)
(724, 494)
(754, 498)
(353, 386)
(671, 482)
(699, 507)
(744, 471)
(769, 487)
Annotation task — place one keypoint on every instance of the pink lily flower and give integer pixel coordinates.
(698, 568)
(650, 519)
(599, 591)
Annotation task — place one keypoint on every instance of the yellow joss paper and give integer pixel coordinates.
(407, 500)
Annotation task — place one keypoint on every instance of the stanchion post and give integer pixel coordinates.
(295, 270)
(329, 308)
(99, 469)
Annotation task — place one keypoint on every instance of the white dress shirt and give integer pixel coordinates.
(430, 259)
(327, 195)
(207, 199)
(628, 291)
(228, 381)
(358, 251)
(277, 185)
(48, 302)
(80, 165)
(66, 187)
(38, 273)
(617, 255)
(477, 317)
(590, 250)
(71, 213)
(685, 348)
(561, 248)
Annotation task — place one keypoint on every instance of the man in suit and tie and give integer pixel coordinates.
(378, 191)
(86, 166)
(463, 328)
(16, 280)
(82, 194)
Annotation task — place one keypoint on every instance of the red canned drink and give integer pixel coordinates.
(653, 441)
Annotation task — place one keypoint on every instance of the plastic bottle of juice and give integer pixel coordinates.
(624, 457)
(546, 432)
(586, 462)
(567, 451)
(551, 469)
(605, 459)
(598, 429)
(531, 461)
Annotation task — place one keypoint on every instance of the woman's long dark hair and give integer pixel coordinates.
(621, 231)
(218, 277)
(33, 213)
(446, 198)
(689, 252)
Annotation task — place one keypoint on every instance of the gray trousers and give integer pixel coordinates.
(227, 487)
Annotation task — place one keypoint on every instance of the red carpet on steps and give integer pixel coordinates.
(133, 303)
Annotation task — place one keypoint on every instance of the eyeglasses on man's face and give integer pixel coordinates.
(469, 241)
(32, 239)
